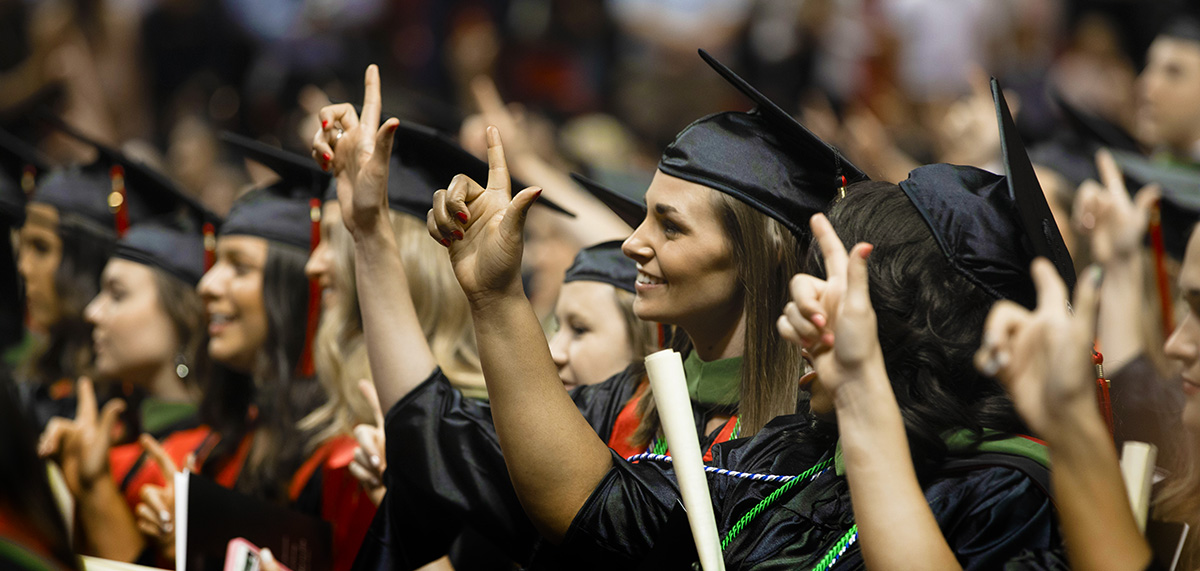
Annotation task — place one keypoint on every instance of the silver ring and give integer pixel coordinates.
(340, 132)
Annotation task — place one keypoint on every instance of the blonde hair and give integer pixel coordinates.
(340, 352)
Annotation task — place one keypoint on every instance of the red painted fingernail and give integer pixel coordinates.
(324, 124)
(445, 242)
(328, 157)
(458, 235)
(461, 216)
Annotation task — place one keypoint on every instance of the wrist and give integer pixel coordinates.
(493, 302)
(866, 391)
(372, 226)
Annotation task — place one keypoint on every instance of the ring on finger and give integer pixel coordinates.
(340, 132)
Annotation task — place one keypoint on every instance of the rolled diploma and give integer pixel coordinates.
(665, 370)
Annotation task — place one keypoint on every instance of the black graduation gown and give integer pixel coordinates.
(446, 471)
(990, 516)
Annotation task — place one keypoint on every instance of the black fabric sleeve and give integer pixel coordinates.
(995, 516)
(446, 471)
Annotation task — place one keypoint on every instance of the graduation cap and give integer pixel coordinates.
(780, 167)
(283, 211)
(991, 227)
(629, 210)
(286, 212)
(1183, 25)
(438, 158)
(183, 252)
(1180, 206)
(604, 263)
(20, 166)
(114, 191)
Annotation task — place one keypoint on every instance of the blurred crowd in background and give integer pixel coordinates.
(602, 84)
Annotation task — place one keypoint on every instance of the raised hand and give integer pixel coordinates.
(1043, 357)
(156, 512)
(483, 227)
(81, 445)
(356, 149)
(832, 319)
(370, 458)
(1104, 213)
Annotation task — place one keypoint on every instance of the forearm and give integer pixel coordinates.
(1119, 327)
(107, 524)
(554, 458)
(895, 523)
(398, 352)
(1097, 521)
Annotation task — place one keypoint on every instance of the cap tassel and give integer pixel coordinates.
(1160, 270)
(307, 368)
(116, 200)
(210, 245)
(842, 187)
(28, 180)
(1102, 394)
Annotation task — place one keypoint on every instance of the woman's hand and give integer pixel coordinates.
(1114, 223)
(370, 458)
(357, 150)
(832, 319)
(1043, 357)
(81, 446)
(483, 228)
(156, 512)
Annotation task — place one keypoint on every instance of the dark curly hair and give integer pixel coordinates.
(930, 320)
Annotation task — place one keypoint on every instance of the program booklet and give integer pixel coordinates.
(208, 516)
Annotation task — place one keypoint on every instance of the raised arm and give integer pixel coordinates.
(554, 458)
(357, 150)
(1043, 358)
(1115, 225)
(833, 321)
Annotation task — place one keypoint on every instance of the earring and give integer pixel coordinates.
(181, 368)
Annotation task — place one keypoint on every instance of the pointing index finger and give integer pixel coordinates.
(371, 99)
(497, 166)
(832, 248)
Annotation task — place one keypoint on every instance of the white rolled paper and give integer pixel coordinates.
(665, 370)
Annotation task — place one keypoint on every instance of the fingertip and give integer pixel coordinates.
(493, 136)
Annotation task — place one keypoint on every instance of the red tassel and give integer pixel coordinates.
(1160, 272)
(210, 245)
(116, 200)
(28, 180)
(662, 336)
(307, 368)
(1102, 395)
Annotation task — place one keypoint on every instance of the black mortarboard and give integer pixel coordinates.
(113, 191)
(629, 210)
(603, 263)
(283, 211)
(989, 226)
(1072, 151)
(20, 166)
(437, 159)
(778, 166)
(1184, 25)
(1180, 205)
(179, 250)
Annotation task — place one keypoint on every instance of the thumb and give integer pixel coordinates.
(858, 294)
(385, 137)
(1144, 201)
(514, 216)
(108, 418)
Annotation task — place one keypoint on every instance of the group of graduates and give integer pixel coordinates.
(882, 375)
